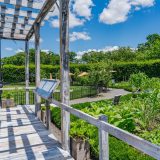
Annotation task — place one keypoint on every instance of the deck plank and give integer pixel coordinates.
(24, 137)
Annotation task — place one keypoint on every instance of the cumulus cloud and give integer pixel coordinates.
(80, 11)
(46, 50)
(9, 49)
(74, 36)
(19, 50)
(32, 40)
(118, 11)
(105, 49)
(83, 8)
(73, 21)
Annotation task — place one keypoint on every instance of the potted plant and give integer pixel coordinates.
(8, 102)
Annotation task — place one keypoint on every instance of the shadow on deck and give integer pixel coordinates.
(24, 137)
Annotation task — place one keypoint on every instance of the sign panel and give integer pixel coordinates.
(46, 88)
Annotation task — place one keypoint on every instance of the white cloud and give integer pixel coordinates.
(80, 12)
(32, 40)
(83, 8)
(118, 11)
(143, 3)
(19, 50)
(9, 49)
(73, 21)
(45, 50)
(105, 49)
(74, 36)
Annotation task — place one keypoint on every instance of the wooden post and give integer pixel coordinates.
(48, 114)
(64, 65)
(1, 83)
(103, 141)
(37, 65)
(27, 71)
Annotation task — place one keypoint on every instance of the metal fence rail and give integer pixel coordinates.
(19, 94)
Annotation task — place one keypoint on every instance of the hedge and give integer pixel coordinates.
(13, 74)
(125, 69)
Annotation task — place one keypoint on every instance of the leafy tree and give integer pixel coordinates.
(151, 48)
(138, 81)
(46, 58)
(100, 74)
(95, 57)
(72, 57)
(123, 54)
(18, 59)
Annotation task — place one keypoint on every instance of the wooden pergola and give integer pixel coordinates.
(20, 20)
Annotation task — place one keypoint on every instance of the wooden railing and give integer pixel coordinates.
(105, 128)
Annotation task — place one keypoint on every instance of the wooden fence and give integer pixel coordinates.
(105, 128)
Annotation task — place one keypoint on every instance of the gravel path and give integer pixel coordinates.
(102, 96)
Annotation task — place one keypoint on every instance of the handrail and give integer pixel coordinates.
(25, 88)
(133, 140)
(17, 88)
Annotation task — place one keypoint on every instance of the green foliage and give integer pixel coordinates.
(124, 69)
(138, 80)
(132, 114)
(151, 48)
(148, 50)
(100, 74)
(12, 73)
(49, 58)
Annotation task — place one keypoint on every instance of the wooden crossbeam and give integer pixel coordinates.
(15, 26)
(17, 12)
(16, 31)
(20, 13)
(24, 3)
(43, 13)
(15, 19)
(13, 37)
(20, 21)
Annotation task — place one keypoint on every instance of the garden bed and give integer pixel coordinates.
(131, 115)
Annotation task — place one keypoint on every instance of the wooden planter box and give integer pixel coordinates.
(43, 116)
(8, 103)
(80, 149)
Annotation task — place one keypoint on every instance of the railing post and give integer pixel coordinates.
(27, 71)
(103, 141)
(65, 80)
(37, 65)
(48, 114)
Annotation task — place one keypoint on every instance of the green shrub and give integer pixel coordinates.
(138, 81)
(151, 68)
(129, 115)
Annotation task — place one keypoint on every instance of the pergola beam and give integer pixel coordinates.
(12, 38)
(12, 19)
(14, 26)
(43, 13)
(14, 31)
(24, 3)
(17, 12)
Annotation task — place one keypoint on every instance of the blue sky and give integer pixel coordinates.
(99, 24)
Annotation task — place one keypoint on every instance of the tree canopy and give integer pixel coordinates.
(144, 51)
(49, 58)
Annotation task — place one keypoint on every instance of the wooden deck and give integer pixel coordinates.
(24, 137)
